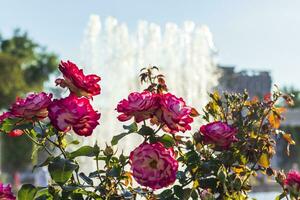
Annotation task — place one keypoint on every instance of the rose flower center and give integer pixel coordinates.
(153, 164)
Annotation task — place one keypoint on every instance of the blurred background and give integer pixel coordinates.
(225, 45)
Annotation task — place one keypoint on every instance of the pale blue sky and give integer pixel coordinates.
(256, 34)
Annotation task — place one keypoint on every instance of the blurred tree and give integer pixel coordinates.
(24, 67)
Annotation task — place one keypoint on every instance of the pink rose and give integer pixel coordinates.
(292, 182)
(174, 114)
(73, 112)
(153, 165)
(218, 133)
(4, 116)
(77, 82)
(6, 193)
(141, 106)
(33, 107)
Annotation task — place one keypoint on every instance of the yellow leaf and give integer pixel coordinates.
(199, 147)
(279, 110)
(264, 160)
(128, 178)
(288, 138)
(247, 103)
(216, 95)
(238, 169)
(196, 184)
(194, 169)
(274, 120)
(253, 134)
(194, 113)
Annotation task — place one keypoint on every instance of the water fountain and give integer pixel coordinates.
(184, 54)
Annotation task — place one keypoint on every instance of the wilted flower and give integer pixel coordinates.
(33, 107)
(73, 112)
(77, 82)
(6, 193)
(292, 182)
(206, 195)
(219, 133)
(174, 114)
(153, 165)
(141, 106)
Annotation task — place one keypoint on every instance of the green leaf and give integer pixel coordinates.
(75, 142)
(167, 140)
(83, 151)
(186, 193)
(116, 138)
(221, 175)
(44, 197)
(27, 192)
(194, 195)
(114, 172)
(166, 194)
(86, 179)
(131, 128)
(43, 194)
(145, 130)
(96, 173)
(45, 163)
(9, 124)
(61, 170)
(178, 191)
(281, 196)
(208, 182)
(237, 183)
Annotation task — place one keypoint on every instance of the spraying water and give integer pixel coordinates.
(184, 54)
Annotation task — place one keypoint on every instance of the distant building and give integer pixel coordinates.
(257, 83)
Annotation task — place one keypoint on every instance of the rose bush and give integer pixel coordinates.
(236, 142)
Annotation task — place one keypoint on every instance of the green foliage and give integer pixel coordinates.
(26, 192)
(84, 151)
(61, 170)
(132, 128)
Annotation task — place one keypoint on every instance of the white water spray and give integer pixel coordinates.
(184, 55)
